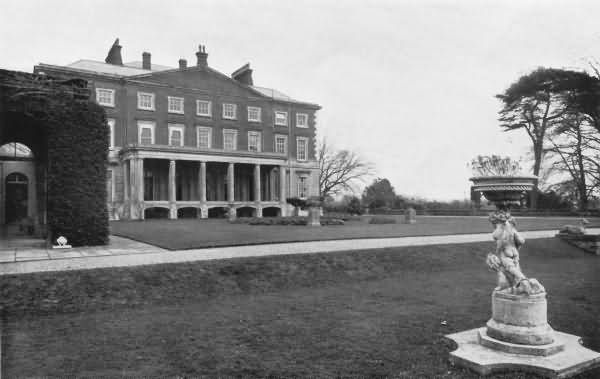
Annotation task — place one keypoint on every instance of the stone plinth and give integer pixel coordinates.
(410, 216)
(571, 359)
(314, 216)
(520, 319)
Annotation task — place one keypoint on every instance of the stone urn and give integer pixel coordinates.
(503, 191)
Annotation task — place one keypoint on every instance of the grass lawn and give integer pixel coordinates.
(354, 314)
(189, 234)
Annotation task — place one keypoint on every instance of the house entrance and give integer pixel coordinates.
(17, 199)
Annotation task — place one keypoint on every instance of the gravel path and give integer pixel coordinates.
(123, 252)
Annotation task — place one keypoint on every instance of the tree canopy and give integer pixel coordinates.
(379, 194)
(540, 103)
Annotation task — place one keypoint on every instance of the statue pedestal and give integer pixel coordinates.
(520, 319)
(314, 216)
(518, 337)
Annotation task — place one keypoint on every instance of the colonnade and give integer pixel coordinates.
(133, 196)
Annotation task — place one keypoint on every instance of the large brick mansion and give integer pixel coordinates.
(193, 142)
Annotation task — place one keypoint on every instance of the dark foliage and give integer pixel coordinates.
(296, 202)
(354, 207)
(77, 146)
(297, 220)
(70, 137)
(382, 220)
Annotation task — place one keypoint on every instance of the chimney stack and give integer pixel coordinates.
(114, 54)
(202, 56)
(182, 64)
(243, 75)
(146, 65)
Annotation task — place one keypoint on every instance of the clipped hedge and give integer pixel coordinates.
(77, 163)
(382, 220)
(296, 220)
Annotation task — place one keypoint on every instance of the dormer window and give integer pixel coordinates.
(175, 104)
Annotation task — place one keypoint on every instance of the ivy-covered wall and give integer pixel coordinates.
(77, 136)
(69, 136)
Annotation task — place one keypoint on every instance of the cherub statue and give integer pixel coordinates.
(505, 261)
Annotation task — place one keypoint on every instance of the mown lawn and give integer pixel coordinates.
(194, 233)
(355, 314)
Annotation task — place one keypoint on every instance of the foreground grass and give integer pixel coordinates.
(194, 233)
(360, 314)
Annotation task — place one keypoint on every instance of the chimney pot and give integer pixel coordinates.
(146, 62)
(182, 64)
(202, 56)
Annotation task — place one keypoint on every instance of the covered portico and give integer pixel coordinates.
(192, 184)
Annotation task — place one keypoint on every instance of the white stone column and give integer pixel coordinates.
(282, 193)
(172, 190)
(202, 190)
(126, 188)
(257, 183)
(230, 183)
(257, 195)
(202, 180)
(136, 182)
(140, 179)
(133, 191)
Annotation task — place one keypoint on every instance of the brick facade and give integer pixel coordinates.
(148, 176)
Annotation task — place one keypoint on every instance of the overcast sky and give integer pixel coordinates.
(409, 85)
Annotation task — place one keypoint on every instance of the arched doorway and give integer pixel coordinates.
(17, 197)
(17, 184)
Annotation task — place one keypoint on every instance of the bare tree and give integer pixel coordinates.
(576, 152)
(340, 169)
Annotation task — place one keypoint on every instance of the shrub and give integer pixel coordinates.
(354, 206)
(382, 220)
(296, 202)
(285, 221)
(331, 221)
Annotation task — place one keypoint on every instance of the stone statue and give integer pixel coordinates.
(575, 230)
(505, 261)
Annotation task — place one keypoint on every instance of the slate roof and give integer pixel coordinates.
(128, 69)
(134, 68)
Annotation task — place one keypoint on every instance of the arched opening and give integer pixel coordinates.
(156, 212)
(271, 212)
(18, 189)
(15, 151)
(187, 212)
(16, 198)
(245, 212)
(217, 212)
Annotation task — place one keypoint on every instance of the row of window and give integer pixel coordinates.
(106, 97)
(204, 138)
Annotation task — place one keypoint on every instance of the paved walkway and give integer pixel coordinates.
(122, 252)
